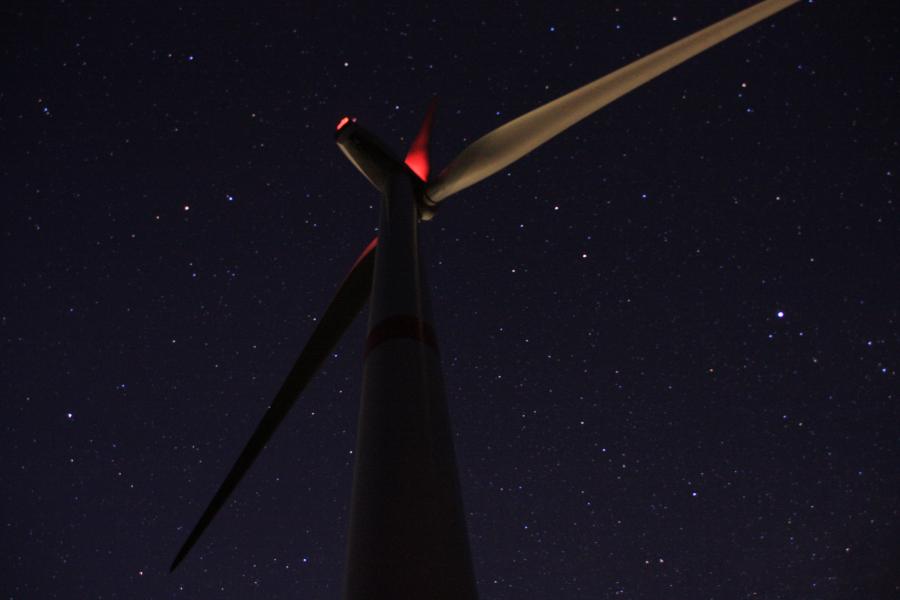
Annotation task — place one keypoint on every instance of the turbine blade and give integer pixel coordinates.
(520, 136)
(346, 304)
(417, 156)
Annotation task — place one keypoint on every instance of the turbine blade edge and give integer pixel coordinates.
(342, 310)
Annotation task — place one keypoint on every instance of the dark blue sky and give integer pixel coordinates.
(670, 335)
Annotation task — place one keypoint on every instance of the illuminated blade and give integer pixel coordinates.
(346, 304)
(417, 156)
(520, 136)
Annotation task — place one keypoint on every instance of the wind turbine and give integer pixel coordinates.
(407, 535)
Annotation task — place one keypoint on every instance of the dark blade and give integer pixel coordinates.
(346, 304)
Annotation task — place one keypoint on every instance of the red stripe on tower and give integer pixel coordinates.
(407, 327)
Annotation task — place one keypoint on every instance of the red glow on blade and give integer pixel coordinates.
(417, 157)
(417, 160)
(365, 253)
(342, 122)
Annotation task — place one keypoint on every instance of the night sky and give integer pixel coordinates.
(669, 335)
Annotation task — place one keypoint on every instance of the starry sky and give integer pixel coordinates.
(670, 335)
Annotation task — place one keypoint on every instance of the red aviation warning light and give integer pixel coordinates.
(344, 121)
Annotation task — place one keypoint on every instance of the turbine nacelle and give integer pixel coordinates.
(367, 153)
(377, 163)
